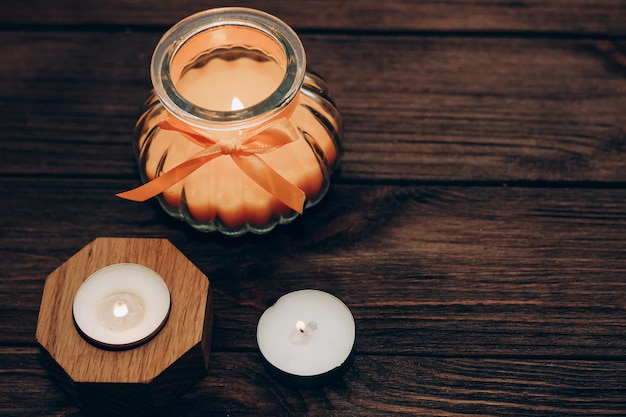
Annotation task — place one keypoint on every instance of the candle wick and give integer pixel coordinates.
(306, 328)
(304, 332)
(301, 326)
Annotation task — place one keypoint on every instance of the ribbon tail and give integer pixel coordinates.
(271, 181)
(165, 181)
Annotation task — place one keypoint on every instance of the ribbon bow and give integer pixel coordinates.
(244, 153)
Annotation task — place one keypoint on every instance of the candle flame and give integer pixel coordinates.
(236, 104)
(303, 333)
(300, 326)
(120, 309)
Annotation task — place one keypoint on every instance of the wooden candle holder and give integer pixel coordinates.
(138, 380)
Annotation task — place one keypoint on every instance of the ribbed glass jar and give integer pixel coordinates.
(243, 136)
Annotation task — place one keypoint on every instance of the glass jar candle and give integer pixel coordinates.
(237, 136)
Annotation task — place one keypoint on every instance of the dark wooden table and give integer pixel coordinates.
(476, 229)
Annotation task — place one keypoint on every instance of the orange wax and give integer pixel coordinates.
(297, 163)
(176, 149)
(219, 189)
(228, 79)
(231, 78)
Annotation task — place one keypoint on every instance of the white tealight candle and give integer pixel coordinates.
(307, 338)
(121, 306)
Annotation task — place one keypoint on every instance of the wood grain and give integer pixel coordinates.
(426, 270)
(375, 385)
(561, 16)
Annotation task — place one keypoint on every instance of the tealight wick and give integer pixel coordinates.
(301, 326)
(308, 328)
(303, 332)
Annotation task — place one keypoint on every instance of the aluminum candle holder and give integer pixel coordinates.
(237, 136)
(125, 325)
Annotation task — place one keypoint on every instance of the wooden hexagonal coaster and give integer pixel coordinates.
(137, 380)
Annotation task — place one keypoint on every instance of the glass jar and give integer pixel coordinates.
(237, 136)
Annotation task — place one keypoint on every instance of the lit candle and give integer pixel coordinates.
(230, 79)
(235, 77)
(121, 306)
(307, 338)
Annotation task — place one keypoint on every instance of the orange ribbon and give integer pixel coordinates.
(243, 151)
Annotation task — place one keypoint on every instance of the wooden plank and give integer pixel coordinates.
(454, 108)
(237, 384)
(479, 271)
(564, 16)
